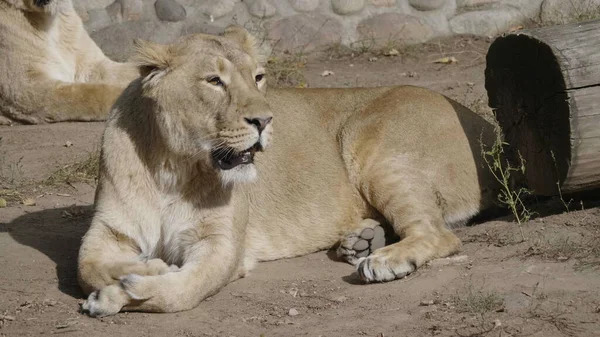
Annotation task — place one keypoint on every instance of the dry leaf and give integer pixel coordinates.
(446, 60)
(515, 28)
(391, 52)
(2, 202)
(28, 202)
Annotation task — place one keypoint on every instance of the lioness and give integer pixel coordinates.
(50, 69)
(177, 216)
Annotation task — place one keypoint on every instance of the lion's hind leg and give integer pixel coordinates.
(408, 202)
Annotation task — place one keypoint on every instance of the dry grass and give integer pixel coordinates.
(11, 173)
(286, 70)
(11, 195)
(478, 302)
(496, 238)
(551, 312)
(584, 249)
(84, 170)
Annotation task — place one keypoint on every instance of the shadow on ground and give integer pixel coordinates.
(57, 233)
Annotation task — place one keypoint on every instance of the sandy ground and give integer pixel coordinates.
(499, 285)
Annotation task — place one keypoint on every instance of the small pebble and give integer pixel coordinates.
(426, 303)
(340, 299)
(7, 318)
(293, 312)
(68, 144)
(447, 261)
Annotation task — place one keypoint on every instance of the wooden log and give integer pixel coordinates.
(544, 85)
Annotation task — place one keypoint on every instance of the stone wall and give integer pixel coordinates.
(306, 25)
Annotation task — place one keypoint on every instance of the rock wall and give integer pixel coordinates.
(307, 25)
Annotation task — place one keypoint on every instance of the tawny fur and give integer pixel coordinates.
(171, 229)
(51, 70)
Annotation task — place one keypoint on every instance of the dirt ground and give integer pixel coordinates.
(544, 281)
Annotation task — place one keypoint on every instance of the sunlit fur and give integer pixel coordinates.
(171, 228)
(51, 70)
(238, 175)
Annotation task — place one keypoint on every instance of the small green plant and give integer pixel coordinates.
(502, 170)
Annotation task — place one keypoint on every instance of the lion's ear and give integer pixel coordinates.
(243, 37)
(150, 56)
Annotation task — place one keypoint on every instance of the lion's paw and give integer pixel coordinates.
(5, 121)
(383, 267)
(159, 267)
(362, 242)
(105, 302)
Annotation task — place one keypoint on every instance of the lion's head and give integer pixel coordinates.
(41, 6)
(208, 94)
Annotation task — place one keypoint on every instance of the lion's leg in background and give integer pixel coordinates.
(55, 101)
(106, 256)
(210, 264)
(408, 203)
(5, 121)
(81, 101)
(115, 73)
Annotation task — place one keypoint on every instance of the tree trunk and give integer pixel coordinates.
(544, 85)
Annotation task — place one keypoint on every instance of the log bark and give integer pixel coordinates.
(544, 86)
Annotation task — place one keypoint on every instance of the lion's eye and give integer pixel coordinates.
(215, 81)
(259, 77)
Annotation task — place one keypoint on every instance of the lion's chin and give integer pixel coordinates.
(244, 173)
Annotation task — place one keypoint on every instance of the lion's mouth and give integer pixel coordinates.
(41, 3)
(227, 158)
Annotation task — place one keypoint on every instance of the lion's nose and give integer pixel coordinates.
(260, 122)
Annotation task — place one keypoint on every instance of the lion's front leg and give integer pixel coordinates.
(106, 256)
(209, 264)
